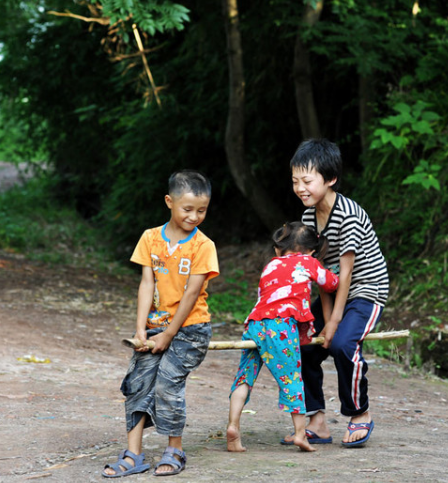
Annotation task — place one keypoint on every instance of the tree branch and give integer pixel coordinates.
(100, 20)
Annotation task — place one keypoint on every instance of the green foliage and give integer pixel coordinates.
(424, 345)
(235, 304)
(404, 172)
(400, 129)
(14, 132)
(383, 348)
(151, 16)
(424, 283)
(38, 226)
(62, 99)
(56, 64)
(415, 130)
(188, 132)
(367, 36)
(425, 174)
(413, 230)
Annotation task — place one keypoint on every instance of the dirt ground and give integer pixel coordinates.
(11, 175)
(62, 415)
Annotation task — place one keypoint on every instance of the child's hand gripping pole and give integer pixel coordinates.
(249, 344)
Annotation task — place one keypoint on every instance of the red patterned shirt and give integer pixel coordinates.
(285, 290)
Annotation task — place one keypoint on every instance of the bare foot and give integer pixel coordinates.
(234, 440)
(289, 438)
(302, 443)
(167, 469)
(361, 433)
(318, 425)
(112, 472)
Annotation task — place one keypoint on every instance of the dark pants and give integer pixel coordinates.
(360, 318)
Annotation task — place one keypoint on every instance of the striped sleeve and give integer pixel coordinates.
(350, 229)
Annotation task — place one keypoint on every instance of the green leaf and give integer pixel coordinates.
(412, 179)
(435, 167)
(418, 108)
(430, 116)
(434, 182)
(387, 137)
(398, 142)
(375, 144)
(422, 127)
(403, 108)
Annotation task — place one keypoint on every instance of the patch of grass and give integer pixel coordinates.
(386, 349)
(33, 224)
(235, 304)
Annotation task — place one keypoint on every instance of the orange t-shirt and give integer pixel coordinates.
(172, 267)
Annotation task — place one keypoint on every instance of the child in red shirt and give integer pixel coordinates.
(281, 321)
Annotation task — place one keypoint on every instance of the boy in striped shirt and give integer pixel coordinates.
(354, 254)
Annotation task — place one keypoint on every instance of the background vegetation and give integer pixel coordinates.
(110, 119)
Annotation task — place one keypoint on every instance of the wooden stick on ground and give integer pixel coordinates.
(249, 344)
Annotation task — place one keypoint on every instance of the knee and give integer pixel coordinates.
(312, 354)
(338, 348)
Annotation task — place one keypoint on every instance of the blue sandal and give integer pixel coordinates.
(129, 469)
(352, 427)
(169, 459)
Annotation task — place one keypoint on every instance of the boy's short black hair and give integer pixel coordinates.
(189, 181)
(322, 155)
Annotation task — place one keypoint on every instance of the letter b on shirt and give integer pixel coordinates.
(184, 266)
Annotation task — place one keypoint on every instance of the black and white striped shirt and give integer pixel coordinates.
(350, 229)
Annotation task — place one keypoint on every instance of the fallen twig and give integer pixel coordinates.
(63, 464)
(34, 477)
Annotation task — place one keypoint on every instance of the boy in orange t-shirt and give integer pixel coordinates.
(177, 262)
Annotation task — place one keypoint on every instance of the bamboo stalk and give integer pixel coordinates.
(145, 63)
(250, 344)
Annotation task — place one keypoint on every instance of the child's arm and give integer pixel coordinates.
(144, 302)
(346, 263)
(189, 298)
(327, 304)
(327, 282)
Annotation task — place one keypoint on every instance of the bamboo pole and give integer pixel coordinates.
(250, 344)
(145, 63)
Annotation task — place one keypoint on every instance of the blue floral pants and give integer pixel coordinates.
(278, 347)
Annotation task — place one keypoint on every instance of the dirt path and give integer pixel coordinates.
(11, 175)
(62, 421)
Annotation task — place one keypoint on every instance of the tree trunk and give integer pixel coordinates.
(250, 187)
(306, 109)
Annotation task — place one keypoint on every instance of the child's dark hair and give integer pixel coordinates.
(322, 155)
(295, 236)
(189, 181)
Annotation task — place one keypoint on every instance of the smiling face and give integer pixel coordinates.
(187, 210)
(310, 186)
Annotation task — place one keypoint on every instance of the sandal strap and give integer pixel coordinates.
(118, 465)
(352, 427)
(169, 459)
(138, 461)
(178, 452)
